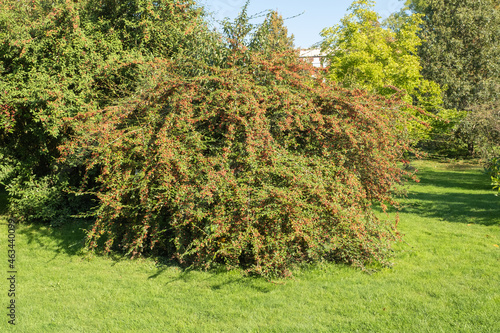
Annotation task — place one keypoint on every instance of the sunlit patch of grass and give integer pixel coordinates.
(445, 278)
(458, 195)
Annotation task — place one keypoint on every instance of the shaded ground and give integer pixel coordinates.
(463, 194)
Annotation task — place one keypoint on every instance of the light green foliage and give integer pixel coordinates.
(364, 53)
(38, 199)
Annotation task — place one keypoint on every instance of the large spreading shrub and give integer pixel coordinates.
(259, 164)
(203, 150)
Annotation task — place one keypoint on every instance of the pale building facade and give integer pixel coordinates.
(314, 56)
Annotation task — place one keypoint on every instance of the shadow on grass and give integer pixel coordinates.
(256, 283)
(453, 207)
(68, 239)
(460, 196)
(218, 278)
(474, 179)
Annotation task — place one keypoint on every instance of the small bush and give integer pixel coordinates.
(446, 136)
(493, 168)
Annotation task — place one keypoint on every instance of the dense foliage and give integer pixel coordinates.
(461, 49)
(366, 53)
(178, 141)
(461, 52)
(257, 163)
(363, 52)
(61, 58)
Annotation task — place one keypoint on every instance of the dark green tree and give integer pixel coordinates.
(461, 52)
(63, 58)
(268, 37)
(461, 49)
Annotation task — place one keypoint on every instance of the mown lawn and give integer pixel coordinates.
(445, 278)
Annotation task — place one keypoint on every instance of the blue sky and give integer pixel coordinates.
(318, 14)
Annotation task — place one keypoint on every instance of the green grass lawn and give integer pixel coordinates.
(445, 278)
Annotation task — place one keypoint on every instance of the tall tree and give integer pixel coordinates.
(461, 52)
(61, 58)
(461, 49)
(272, 35)
(363, 52)
(268, 37)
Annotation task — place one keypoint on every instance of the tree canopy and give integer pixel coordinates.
(363, 52)
(461, 52)
(461, 49)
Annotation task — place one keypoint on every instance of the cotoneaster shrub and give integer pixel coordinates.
(260, 165)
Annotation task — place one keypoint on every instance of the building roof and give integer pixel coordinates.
(307, 53)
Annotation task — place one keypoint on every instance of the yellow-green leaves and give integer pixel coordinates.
(363, 52)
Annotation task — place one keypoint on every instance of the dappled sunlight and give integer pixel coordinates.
(463, 196)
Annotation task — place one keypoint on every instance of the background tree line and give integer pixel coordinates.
(443, 54)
